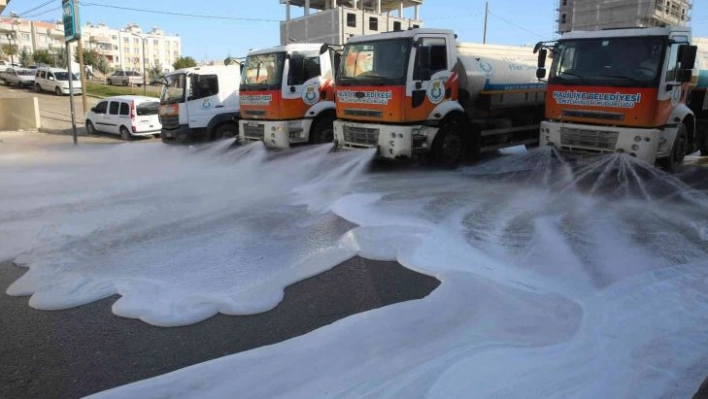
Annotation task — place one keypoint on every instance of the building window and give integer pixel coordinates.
(351, 20)
(117, 59)
(156, 42)
(373, 23)
(114, 37)
(397, 26)
(42, 38)
(126, 40)
(563, 18)
(565, 2)
(25, 37)
(136, 40)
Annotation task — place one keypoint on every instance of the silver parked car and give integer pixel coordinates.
(18, 76)
(125, 78)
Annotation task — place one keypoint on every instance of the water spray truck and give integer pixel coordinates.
(287, 95)
(418, 91)
(631, 90)
(200, 103)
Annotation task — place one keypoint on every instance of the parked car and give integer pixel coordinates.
(125, 78)
(56, 80)
(127, 116)
(18, 76)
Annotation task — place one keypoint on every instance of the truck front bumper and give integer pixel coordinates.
(181, 134)
(570, 137)
(275, 134)
(391, 141)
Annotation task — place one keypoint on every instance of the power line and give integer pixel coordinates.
(515, 25)
(43, 12)
(179, 14)
(36, 8)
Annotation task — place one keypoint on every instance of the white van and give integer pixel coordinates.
(55, 80)
(127, 116)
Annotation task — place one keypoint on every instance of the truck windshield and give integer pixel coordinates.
(624, 61)
(263, 72)
(382, 62)
(173, 88)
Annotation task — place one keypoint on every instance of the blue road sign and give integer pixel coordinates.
(72, 27)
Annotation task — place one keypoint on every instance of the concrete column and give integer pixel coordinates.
(287, 10)
(417, 13)
(378, 6)
(400, 10)
(307, 7)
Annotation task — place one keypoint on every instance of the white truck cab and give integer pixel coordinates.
(200, 103)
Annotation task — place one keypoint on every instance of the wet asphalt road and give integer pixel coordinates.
(80, 351)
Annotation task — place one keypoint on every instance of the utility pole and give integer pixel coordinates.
(486, 15)
(82, 72)
(145, 80)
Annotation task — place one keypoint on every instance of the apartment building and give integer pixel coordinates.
(335, 21)
(123, 48)
(607, 14)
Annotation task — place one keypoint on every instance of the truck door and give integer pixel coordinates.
(203, 99)
(428, 74)
(303, 78)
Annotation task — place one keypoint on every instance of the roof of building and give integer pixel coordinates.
(386, 5)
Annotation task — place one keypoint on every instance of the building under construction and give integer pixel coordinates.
(608, 14)
(335, 21)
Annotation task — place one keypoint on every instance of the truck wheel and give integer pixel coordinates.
(225, 130)
(125, 134)
(90, 129)
(57, 91)
(450, 145)
(673, 163)
(322, 131)
(38, 88)
(110, 82)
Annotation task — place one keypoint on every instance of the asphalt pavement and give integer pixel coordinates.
(77, 352)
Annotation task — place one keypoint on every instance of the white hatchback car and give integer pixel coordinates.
(127, 116)
(56, 80)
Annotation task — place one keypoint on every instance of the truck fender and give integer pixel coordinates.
(681, 114)
(443, 109)
(221, 118)
(318, 108)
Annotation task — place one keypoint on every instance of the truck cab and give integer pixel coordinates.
(200, 103)
(622, 90)
(419, 91)
(287, 95)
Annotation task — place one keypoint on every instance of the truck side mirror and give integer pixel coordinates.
(324, 48)
(542, 54)
(684, 75)
(541, 73)
(687, 56)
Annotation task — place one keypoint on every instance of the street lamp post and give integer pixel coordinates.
(145, 80)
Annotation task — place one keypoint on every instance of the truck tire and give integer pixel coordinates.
(450, 145)
(322, 131)
(110, 82)
(225, 130)
(674, 161)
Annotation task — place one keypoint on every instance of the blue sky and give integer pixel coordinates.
(510, 21)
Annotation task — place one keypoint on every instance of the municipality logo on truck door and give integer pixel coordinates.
(310, 94)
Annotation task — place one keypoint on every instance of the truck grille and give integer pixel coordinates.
(169, 121)
(255, 132)
(361, 135)
(588, 138)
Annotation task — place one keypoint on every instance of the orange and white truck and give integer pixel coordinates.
(287, 95)
(633, 90)
(419, 91)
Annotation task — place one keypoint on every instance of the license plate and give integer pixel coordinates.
(168, 134)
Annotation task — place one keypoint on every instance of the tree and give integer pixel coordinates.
(102, 65)
(25, 57)
(43, 57)
(60, 60)
(184, 62)
(10, 50)
(90, 57)
(155, 71)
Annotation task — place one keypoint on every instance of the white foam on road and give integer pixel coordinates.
(551, 287)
